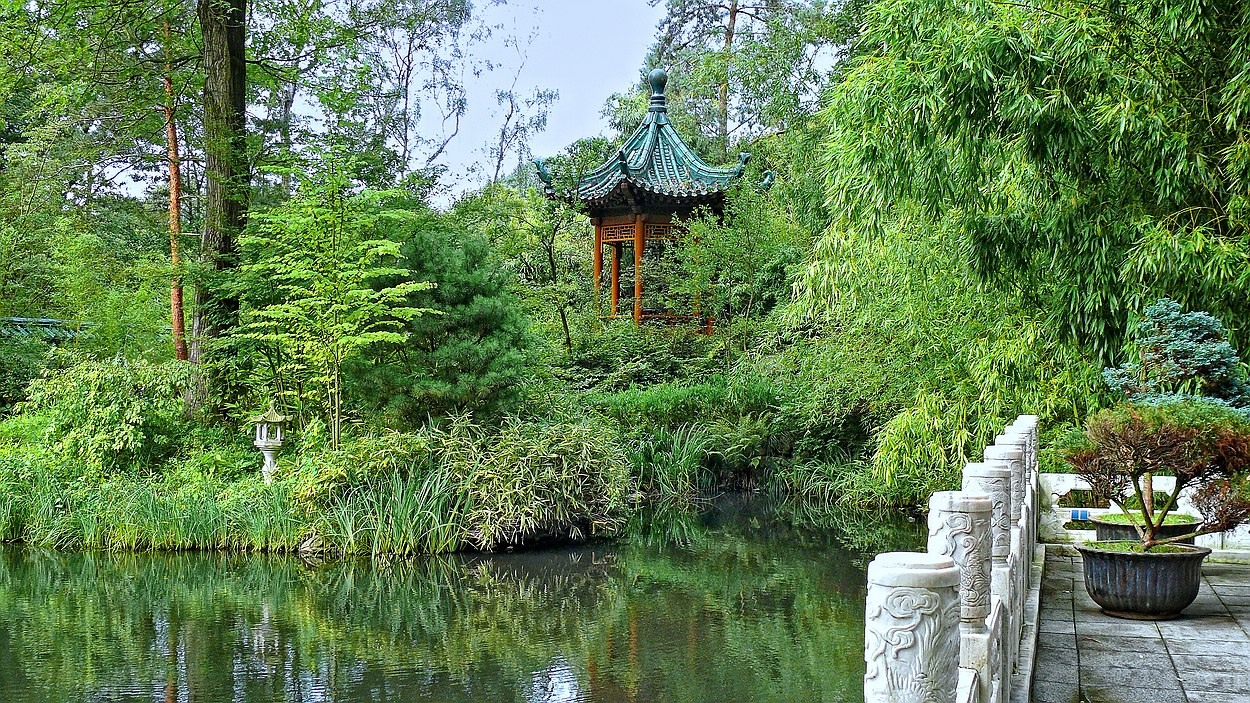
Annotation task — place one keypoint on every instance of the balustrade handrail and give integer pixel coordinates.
(946, 625)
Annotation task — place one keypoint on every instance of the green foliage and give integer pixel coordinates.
(112, 415)
(671, 464)
(919, 361)
(445, 489)
(742, 70)
(462, 485)
(416, 513)
(1090, 156)
(309, 285)
(670, 405)
(471, 357)
(544, 243)
(21, 360)
(1178, 354)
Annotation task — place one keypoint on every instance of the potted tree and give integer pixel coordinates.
(1175, 355)
(1185, 415)
(1205, 447)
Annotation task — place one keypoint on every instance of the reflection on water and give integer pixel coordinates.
(731, 605)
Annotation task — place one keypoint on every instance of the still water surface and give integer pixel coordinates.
(735, 604)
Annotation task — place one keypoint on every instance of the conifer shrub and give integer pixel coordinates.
(1178, 355)
(474, 356)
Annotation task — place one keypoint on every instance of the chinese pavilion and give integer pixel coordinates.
(639, 196)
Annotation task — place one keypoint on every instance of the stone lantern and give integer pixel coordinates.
(269, 439)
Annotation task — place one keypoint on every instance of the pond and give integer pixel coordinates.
(733, 603)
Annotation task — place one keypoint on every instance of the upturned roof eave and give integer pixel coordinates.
(654, 160)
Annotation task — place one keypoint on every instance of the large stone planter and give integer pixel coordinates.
(1117, 531)
(1146, 586)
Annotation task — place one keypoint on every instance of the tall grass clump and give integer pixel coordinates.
(397, 514)
(471, 486)
(672, 465)
(547, 480)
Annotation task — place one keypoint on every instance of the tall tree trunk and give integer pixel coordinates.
(177, 318)
(723, 102)
(223, 26)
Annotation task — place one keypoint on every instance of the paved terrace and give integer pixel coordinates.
(1086, 657)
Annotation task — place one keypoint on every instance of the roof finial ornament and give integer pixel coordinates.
(658, 78)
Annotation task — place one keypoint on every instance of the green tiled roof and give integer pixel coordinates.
(43, 329)
(654, 160)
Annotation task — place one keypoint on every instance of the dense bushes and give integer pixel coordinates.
(442, 489)
(110, 415)
(20, 363)
(613, 357)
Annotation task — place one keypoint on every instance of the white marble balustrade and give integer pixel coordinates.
(945, 626)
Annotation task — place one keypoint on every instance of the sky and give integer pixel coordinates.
(585, 49)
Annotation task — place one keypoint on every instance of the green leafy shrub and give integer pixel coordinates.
(736, 266)
(21, 360)
(1088, 179)
(322, 474)
(111, 415)
(313, 298)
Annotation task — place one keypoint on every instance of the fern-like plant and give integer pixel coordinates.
(310, 283)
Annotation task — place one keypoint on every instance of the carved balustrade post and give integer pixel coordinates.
(911, 629)
(1019, 438)
(1025, 557)
(995, 481)
(1010, 457)
(1029, 423)
(959, 527)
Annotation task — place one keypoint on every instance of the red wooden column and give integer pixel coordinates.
(616, 278)
(598, 262)
(640, 243)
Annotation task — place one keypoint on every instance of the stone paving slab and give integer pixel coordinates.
(1085, 656)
